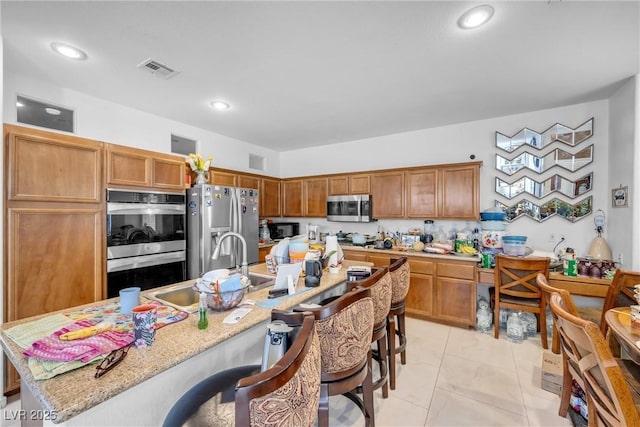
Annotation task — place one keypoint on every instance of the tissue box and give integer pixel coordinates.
(552, 372)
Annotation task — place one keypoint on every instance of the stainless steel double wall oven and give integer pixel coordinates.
(146, 239)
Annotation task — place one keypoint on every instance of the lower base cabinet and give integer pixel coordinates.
(440, 290)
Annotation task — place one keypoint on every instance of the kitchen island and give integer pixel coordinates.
(144, 386)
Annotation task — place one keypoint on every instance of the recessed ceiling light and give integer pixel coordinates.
(68, 51)
(53, 111)
(220, 105)
(475, 17)
(19, 104)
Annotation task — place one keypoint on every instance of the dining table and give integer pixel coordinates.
(628, 336)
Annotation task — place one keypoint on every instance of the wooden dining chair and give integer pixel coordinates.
(396, 323)
(570, 371)
(587, 313)
(286, 394)
(610, 401)
(516, 288)
(620, 294)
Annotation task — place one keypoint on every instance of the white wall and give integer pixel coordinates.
(3, 399)
(623, 112)
(109, 122)
(455, 143)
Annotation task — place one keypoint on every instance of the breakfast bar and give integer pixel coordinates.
(144, 386)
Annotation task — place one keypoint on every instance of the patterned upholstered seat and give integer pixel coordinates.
(399, 270)
(287, 394)
(381, 286)
(344, 326)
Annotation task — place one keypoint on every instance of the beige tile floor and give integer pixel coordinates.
(457, 377)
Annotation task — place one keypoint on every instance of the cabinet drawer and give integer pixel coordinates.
(457, 270)
(420, 266)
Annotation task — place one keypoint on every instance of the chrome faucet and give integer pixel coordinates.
(244, 269)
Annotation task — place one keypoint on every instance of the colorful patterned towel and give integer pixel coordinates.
(53, 348)
(26, 334)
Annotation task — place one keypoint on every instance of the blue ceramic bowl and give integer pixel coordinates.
(492, 216)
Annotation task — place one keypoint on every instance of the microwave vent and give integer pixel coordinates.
(157, 69)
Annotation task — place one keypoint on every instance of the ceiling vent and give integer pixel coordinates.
(157, 69)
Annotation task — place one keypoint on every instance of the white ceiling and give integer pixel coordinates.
(299, 74)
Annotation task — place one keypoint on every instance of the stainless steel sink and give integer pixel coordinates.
(185, 298)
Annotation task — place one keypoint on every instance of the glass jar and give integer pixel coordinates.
(515, 330)
(484, 317)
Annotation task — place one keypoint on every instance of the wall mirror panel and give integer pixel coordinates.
(540, 189)
(557, 157)
(557, 132)
(542, 212)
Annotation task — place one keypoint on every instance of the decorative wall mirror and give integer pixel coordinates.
(548, 209)
(541, 189)
(557, 157)
(557, 132)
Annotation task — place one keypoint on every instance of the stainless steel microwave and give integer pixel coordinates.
(350, 208)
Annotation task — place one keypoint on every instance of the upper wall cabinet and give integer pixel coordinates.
(315, 200)
(47, 166)
(387, 192)
(460, 192)
(422, 193)
(270, 190)
(292, 197)
(349, 184)
(132, 167)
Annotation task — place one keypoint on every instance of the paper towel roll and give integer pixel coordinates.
(331, 244)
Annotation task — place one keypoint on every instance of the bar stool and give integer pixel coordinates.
(400, 279)
(286, 393)
(344, 326)
(381, 289)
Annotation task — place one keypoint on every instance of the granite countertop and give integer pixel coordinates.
(409, 252)
(74, 392)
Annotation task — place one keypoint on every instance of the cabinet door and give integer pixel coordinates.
(420, 296)
(422, 193)
(359, 184)
(217, 177)
(128, 167)
(355, 256)
(44, 166)
(460, 192)
(292, 198)
(270, 197)
(455, 300)
(247, 181)
(315, 197)
(338, 185)
(56, 259)
(387, 189)
(379, 260)
(167, 173)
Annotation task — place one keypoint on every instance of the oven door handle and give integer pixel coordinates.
(121, 264)
(137, 209)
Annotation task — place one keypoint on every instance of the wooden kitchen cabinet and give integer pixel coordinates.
(224, 178)
(132, 167)
(460, 192)
(387, 190)
(315, 197)
(270, 197)
(379, 260)
(292, 203)
(349, 184)
(44, 166)
(455, 291)
(422, 193)
(54, 225)
(420, 297)
(248, 181)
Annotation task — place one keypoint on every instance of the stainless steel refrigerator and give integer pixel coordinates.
(212, 211)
